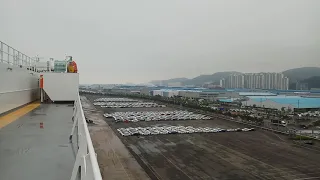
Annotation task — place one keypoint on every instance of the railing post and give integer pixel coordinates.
(89, 172)
(1, 51)
(29, 62)
(73, 128)
(18, 58)
(8, 54)
(22, 60)
(74, 119)
(80, 133)
(13, 56)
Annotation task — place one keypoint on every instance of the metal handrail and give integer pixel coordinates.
(14, 57)
(86, 158)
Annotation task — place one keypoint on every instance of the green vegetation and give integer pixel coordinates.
(301, 137)
(316, 123)
(313, 82)
(299, 74)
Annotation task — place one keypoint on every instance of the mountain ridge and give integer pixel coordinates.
(294, 75)
(198, 80)
(299, 74)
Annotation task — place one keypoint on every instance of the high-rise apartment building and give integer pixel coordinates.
(223, 82)
(256, 81)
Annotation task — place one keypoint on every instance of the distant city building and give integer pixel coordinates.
(212, 86)
(223, 83)
(175, 84)
(302, 86)
(158, 83)
(256, 81)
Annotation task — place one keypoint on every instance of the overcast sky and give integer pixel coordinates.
(119, 41)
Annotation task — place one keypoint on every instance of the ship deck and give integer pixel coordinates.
(29, 151)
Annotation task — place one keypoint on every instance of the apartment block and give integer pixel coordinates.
(256, 81)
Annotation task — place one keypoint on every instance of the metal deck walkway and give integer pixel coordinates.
(30, 152)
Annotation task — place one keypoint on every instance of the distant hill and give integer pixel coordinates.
(213, 78)
(165, 82)
(313, 82)
(300, 74)
(199, 80)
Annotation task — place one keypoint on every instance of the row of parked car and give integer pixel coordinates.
(241, 110)
(155, 116)
(127, 104)
(144, 131)
(115, 100)
(310, 114)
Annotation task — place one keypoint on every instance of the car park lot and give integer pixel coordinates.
(135, 116)
(127, 104)
(236, 155)
(110, 99)
(161, 130)
(124, 103)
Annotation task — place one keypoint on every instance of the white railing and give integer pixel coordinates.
(86, 165)
(14, 57)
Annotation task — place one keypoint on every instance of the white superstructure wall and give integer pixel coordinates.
(18, 86)
(61, 86)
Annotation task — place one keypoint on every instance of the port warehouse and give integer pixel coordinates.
(294, 103)
(295, 100)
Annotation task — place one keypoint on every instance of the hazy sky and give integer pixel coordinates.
(119, 41)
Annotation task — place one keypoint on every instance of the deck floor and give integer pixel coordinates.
(29, 152)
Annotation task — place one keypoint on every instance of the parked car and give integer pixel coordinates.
(158, 130)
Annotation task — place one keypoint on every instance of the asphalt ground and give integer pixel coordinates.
(114, 159)
(233, 155)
